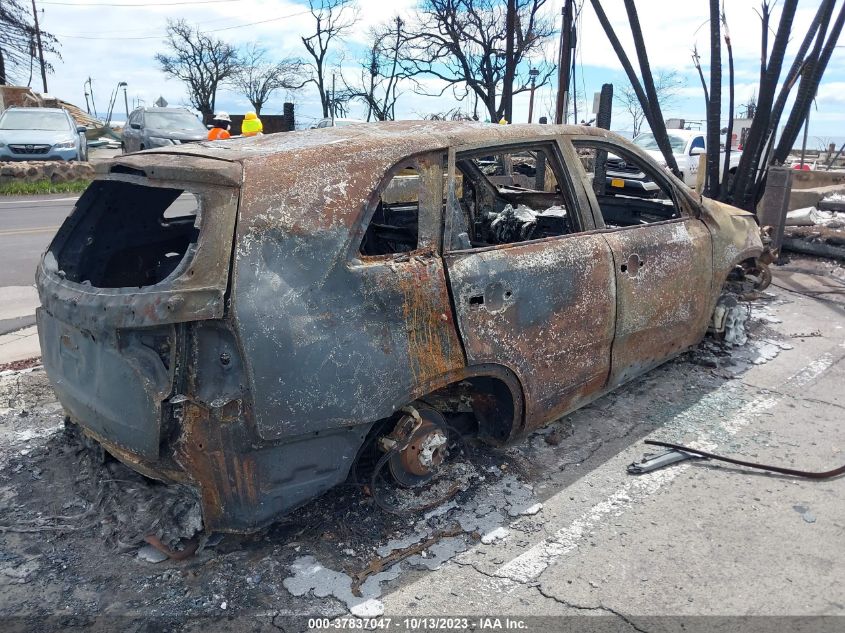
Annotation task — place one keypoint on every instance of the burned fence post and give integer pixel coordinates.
(290, 123)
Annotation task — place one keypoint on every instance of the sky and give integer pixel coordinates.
(116, 40)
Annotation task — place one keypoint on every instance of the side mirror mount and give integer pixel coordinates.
(81, 129)
(697, 151)
(135, 126)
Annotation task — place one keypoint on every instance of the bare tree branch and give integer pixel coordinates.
(332, 20)
(463, 44)
(202, 62)
(667, 84)
(257, 79)
(381, 71)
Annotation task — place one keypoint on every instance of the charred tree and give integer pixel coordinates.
(381, 71)
(258, 78)
(652, 110)
(332, 20)
(696, 61)
(464, 44)
(811, 76)
(757, 138)
(723, 188)
(714, 104)
(202, 62)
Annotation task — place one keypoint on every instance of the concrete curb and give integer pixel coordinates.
(19, 345)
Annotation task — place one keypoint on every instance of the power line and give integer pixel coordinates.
(158, 37)
(141, 5)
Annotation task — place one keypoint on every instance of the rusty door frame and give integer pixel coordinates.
(562, 152)
(434, 346)
(690, 217)
(542, 408)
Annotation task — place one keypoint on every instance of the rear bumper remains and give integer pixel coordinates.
(117, 388)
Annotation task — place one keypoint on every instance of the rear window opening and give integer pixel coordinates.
(128, 235)
(394, 227)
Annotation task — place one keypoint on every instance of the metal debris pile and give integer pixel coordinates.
(818, 230)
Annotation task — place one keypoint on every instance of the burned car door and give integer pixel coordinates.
(663, 260)
(360, 314)
(533, 291)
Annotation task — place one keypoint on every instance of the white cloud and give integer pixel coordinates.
(670, 32)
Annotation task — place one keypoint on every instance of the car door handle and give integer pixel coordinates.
(633, 265)
(496, 296)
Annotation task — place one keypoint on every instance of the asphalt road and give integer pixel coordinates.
(554, 530)
(27, 224)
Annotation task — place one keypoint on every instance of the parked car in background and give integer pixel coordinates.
(41, 134)
(687, 147)
(303, 319)
(329, 122)
(161, 127)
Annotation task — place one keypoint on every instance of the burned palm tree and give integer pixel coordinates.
(645, 90)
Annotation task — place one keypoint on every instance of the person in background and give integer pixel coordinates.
(251, 125)
(220, 125)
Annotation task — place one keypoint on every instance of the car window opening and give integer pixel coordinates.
(394, 227)
(625, 189)
(508, 197)
(128, 235)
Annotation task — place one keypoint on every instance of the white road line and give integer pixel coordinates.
(30, 202)
(531, 563)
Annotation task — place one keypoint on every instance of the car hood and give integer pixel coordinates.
(35, 137)
(657, 155)
(178, 135)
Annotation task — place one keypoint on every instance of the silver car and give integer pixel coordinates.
(41, 134)
(160, 127)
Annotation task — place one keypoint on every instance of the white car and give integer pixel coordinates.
(687, 146)
(329, 122)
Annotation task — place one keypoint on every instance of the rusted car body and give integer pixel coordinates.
(330, 278)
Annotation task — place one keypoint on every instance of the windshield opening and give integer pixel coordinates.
(35, 120)
(648, 142)
(181, 121)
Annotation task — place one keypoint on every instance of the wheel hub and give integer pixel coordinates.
(422, 443)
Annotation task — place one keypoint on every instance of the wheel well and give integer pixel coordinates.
(481, 404)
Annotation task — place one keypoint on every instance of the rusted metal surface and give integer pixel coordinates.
(664, 282)
(545, 310)
(256, 368)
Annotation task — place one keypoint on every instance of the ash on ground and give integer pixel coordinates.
(71, 521)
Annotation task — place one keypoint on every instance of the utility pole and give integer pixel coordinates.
(804, 144)
(125, 101)
(533, 74)
(40, 49)
(564, 63)
(507, 89)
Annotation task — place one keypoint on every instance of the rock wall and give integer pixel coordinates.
(54, 171)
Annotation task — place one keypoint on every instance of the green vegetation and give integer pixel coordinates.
(42, 187)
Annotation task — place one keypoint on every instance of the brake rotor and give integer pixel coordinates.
(425, 447)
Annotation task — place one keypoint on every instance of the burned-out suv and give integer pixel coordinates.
(245, 317)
